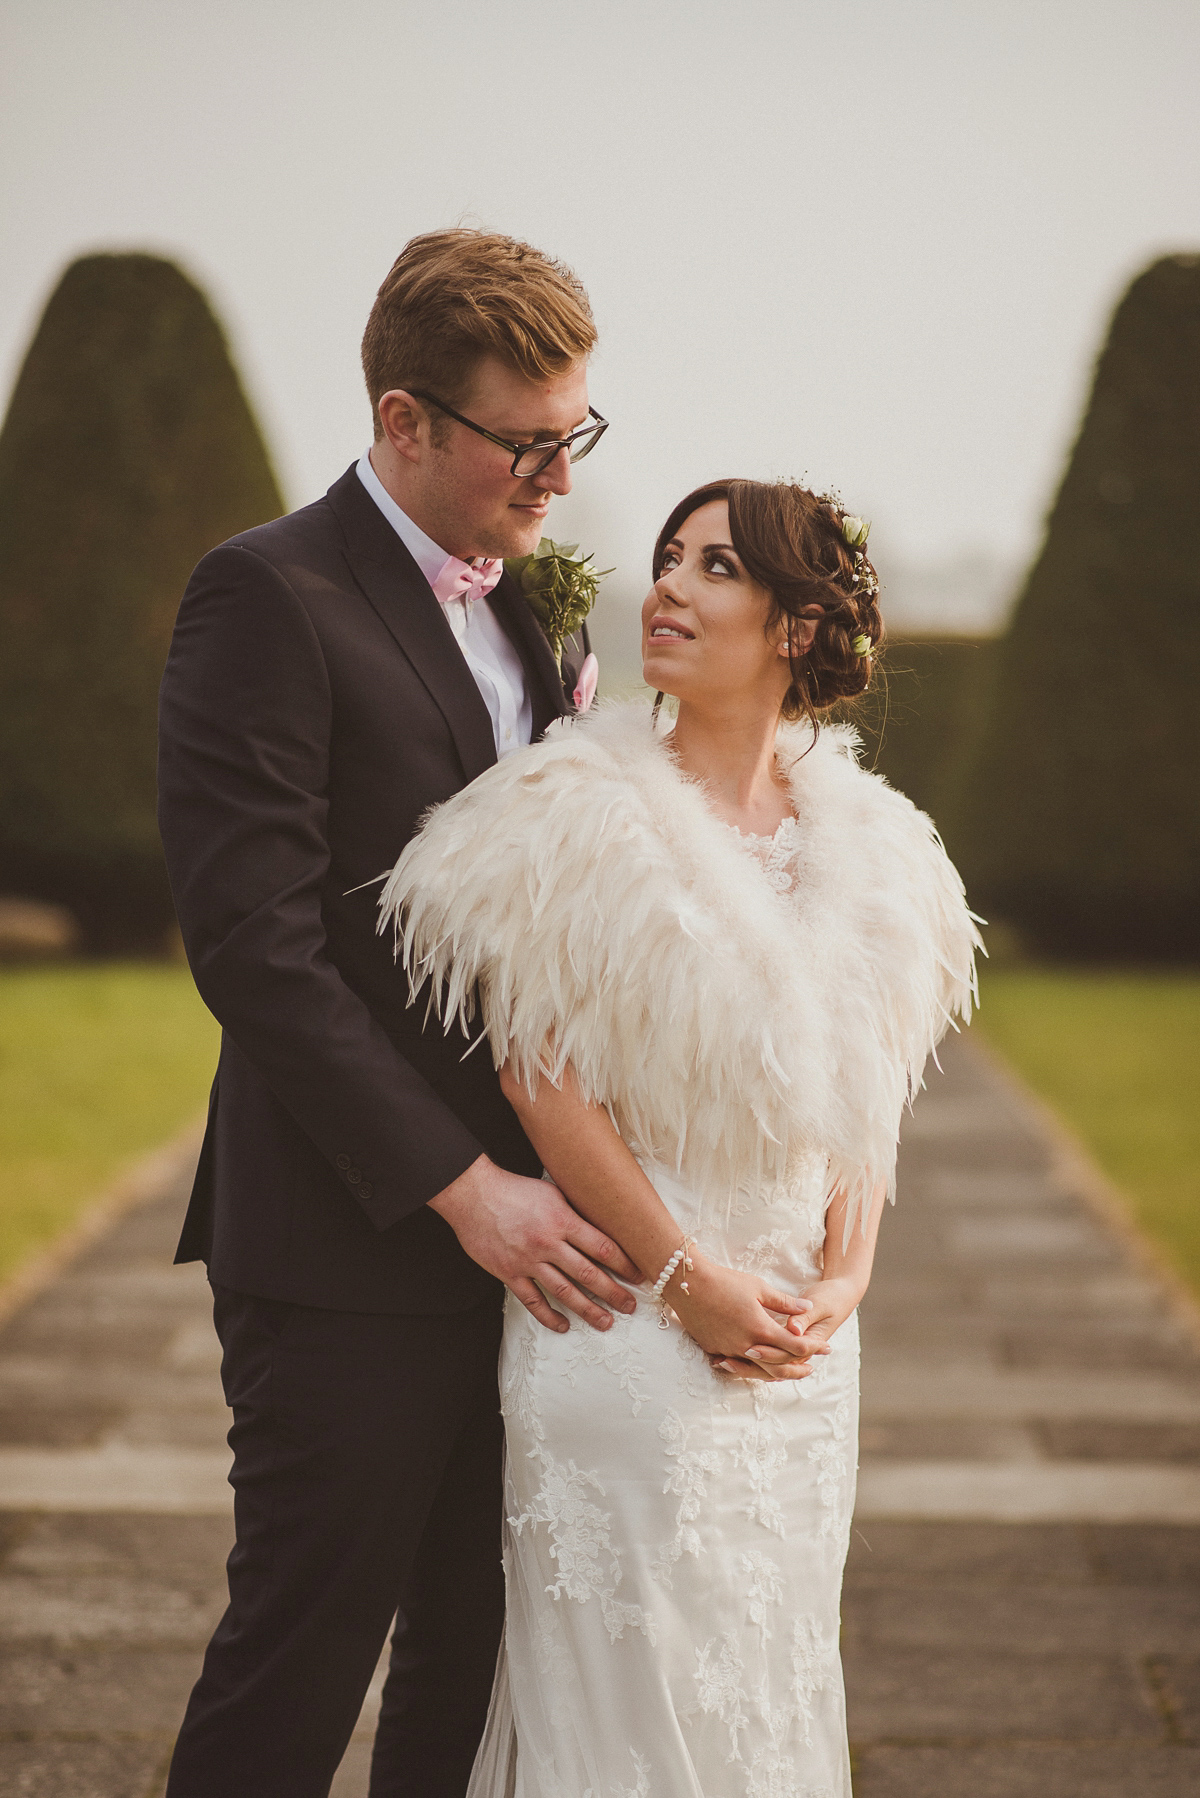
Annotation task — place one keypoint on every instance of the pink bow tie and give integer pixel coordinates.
(461, 580)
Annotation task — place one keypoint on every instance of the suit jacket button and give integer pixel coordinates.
(343, 1162)
(365, 1191)
(354, 1176)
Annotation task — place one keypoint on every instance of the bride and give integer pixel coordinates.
(710, 963)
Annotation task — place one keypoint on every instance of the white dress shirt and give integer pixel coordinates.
(486, 649)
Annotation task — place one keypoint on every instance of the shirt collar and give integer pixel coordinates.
(427, 555)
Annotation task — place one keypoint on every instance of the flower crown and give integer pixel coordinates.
(855, 532)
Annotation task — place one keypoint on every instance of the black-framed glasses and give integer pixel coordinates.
(529, 458)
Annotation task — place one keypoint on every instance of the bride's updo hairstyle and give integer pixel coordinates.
(791, 541)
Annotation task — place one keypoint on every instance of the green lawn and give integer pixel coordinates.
(1117, 1055)
(98, 1063)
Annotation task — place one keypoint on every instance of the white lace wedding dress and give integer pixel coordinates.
(675, 1537)
(754, 1015)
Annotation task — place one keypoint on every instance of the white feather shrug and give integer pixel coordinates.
(586, 897)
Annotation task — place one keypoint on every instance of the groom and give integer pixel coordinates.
(363, 1190)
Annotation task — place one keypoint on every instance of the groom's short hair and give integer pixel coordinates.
(453, 297)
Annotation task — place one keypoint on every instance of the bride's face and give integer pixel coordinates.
(704, 621)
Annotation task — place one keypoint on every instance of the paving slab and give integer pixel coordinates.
(1178, 1680)
(1142, 1554)
(1097, 1439)
(971, 1694)
(886, 1553)
(81, 1689)
(101, 1767)
(1147, 1621)
(1030, 1492)
(1029, 1770)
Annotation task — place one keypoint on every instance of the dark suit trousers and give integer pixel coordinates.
(367, 1486)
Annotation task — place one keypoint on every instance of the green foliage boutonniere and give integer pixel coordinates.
(560, 585)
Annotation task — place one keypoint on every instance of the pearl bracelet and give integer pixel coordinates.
(660, 1285)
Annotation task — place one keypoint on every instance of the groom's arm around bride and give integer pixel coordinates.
(332, 676)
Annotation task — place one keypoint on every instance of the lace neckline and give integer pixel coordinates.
(750, 836)
(774, 853)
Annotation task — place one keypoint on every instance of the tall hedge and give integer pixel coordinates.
(1082, 820)
(128, 451)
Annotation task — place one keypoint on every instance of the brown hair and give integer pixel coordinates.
(452, 297)
(791, 541)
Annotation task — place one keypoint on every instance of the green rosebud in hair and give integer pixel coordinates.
(856, 531)
(861, 645)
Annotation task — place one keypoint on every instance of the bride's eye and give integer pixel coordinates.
(669, 560)
(719, 565)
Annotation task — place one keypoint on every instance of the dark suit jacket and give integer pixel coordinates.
(314, 705)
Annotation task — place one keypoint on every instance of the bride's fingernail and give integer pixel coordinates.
(754, 1354)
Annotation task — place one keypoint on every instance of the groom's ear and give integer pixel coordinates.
(405, 423)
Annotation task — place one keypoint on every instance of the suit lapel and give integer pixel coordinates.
(546, 695)
(404, 601)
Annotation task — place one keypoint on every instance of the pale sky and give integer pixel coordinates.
(876, 242)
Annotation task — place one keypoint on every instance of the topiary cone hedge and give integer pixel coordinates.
(129, 450)
(1081, 822)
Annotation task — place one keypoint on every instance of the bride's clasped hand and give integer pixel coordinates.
(827, 1305)
(736, 1316)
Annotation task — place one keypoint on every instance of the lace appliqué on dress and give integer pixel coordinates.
(719, 1688)
(581, 1543)
(688, 1481)
(762, 1452)
(775, 855)
(614, 1351)
(766, 1587)
(830, 1459)
(641, 1767)
(516, 1392)
(761, 1255)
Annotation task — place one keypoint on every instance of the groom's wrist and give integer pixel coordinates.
(464, 1191)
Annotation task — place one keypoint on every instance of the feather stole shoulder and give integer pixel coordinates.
(586, 897)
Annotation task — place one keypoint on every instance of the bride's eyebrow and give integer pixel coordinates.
(710, 549)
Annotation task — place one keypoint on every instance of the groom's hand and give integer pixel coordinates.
(525, 1233)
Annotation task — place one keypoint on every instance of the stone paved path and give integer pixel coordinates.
(1022, 1611)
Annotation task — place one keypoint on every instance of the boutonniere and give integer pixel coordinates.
(561, 586)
